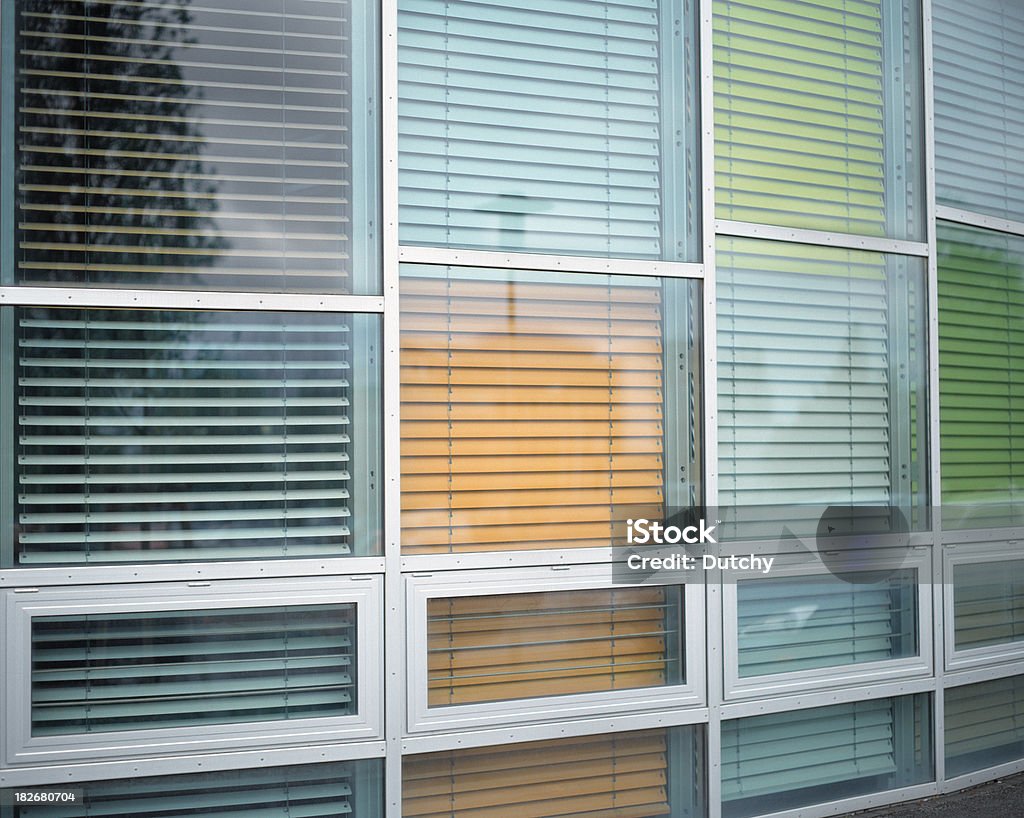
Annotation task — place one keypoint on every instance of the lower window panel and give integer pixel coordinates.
(984, 725)
(787, 760)
(337, 788)
(626, 775)
(514, 646)
(988, 603)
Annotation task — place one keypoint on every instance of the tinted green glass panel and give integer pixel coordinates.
(984, 725)
(988, 603)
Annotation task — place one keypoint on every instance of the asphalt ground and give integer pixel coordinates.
(997, 799)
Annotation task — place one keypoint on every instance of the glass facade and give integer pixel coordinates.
(341, 343)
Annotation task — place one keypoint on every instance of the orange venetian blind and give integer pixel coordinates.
(619, 776)
(513, 646)
(531, 411)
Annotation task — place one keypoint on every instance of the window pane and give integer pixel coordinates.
(554, 127)
(822, 364)
(787, 760)
(151, 670)
(643, 774)
(979, 106)
(340, 788)
(205, 146)
(515, 646)
(800, 623)
(818, 115)
(981, 377)
(984, 725)
(988, 603)
(175, 435)
(534, 405)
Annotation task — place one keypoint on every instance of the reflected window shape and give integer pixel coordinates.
(979, 106)
(647, 773)
(337, 788)
(786, 760)
(981, 377)
(161, 436)
(112, 672)
(199, 146)
(534, 406)
(984, 725)
(514, 646)
(818, 115)
(822, 388)
(794, 624)
(988, 603)
(549, 127)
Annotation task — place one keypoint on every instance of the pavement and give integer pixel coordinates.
(997, 799)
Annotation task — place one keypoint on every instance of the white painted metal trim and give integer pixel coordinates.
(969, 217)
(802, 236)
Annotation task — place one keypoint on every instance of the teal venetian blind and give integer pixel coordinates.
(801, 119)
(150, 670)
(812, 344)
(173, 435)
(544, 126)
(785, 760)
(981, 374)
(984, 724)
(979, 106)
(792, 624)
(311, 791)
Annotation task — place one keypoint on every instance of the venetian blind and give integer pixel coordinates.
(808, 350)
(535, 127)
(981, 388)
(620, 776)
(984, 724)
(531, 412)
(988, 603)
(270, 792)
(145, 670)
(762, 755)
(800, 623)
(203, 146)
(800, 114)
(514, 646)
(160, 435)
(979, 106)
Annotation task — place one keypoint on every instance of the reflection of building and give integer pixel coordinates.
(330, 375)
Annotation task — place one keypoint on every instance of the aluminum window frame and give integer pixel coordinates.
(23, 604)
(422, 587)
(954, 554)
(922, 665)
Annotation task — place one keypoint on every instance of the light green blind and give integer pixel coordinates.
(984, 724)
(544, 126)
(806, 132)
(815, 375)
(979, 105)
(150, 670)
(981, 374)
(785, 760)
(988, 603)
(801, 623)
(350, 788)
(162, 435)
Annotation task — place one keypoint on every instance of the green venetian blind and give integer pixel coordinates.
(979, 106)
(176, 435)
(981, 374)
(351, 788)
(984, 724)
(816, 375)
(785, 760)
(988, 603)
(149, 670)
(552, 126)
(806, 133)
